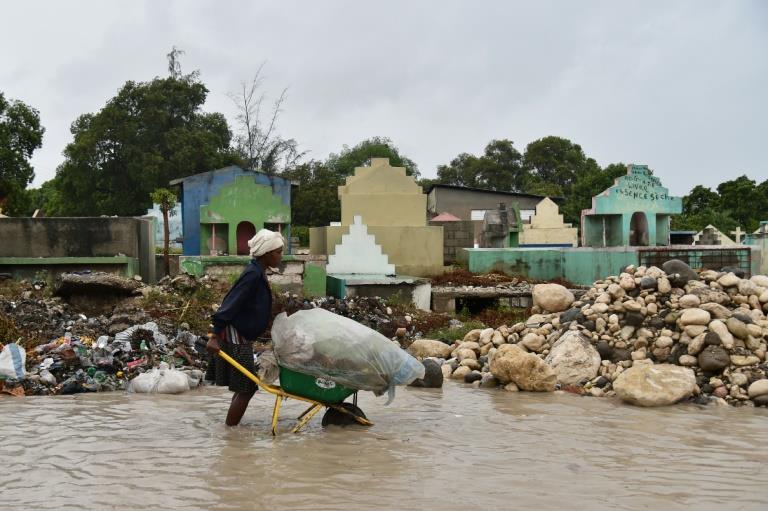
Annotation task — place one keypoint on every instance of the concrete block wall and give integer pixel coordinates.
(456, 235)
(95, 243)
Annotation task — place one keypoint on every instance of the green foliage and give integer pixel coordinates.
(499, 168)
(740, 202)
(165, 199)
(344, 163)
(147, 135)
(301, 232)
(551, 166)
(315, 202)
(453, 334)
(20, 135)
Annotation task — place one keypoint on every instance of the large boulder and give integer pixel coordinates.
(426, 348)
(433, 375)
(552, 297)
(678, 272)
(655, 385)
(573, 358)
(526, 370)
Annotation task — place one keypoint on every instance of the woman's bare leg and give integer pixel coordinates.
(237, 407)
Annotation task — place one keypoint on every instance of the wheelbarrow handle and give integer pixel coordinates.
(255, 379)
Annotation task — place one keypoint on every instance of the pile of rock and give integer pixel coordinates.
(652, 336)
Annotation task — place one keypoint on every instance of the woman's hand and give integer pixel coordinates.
(213, 344)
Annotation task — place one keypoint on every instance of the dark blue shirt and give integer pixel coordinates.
(247, 306)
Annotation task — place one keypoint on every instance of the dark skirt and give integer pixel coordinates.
(226, 375)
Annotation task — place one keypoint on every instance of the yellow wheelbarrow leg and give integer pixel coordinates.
(305, 417)
(276, 413)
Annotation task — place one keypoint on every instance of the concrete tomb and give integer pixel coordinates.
(222, 209)
(393, 207)
(358, 253)
(635, 211)
(711, 235)
(547, 228)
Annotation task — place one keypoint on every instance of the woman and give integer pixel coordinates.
(243, 316)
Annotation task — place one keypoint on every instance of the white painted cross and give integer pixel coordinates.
(737, 234)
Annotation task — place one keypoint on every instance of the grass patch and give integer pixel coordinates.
(452, 334)
(193, 307)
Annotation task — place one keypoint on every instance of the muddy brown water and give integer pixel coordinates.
(452, 448)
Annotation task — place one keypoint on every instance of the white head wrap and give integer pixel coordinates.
(265, 241)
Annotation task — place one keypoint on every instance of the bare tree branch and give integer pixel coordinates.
(262, 148)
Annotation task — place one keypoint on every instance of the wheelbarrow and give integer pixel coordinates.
(319, 392)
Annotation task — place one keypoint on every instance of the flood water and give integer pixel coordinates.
(450, 448)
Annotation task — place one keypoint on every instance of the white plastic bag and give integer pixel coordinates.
(161, 380)
(324, 344)
(268, 370)
(12, 361)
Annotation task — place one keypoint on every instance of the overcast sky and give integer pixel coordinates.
(679, 86)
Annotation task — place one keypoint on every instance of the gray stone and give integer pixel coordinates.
(713, 359)
(526, 370)
(433, 375)
(678, 272)
(648, 283)
(758, 388)
(425, 348)
(552, 297)
(634, 319)
(573, 359)
(655, 385)
(473, 377)
(604, 349)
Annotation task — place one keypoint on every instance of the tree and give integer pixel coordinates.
(257, 141)
(499, 168)
(315, 202)
(589, 183)
(166, 200)
(743, 199)
(20, 135)
(558, 161)
(344, 163)
(147, 135)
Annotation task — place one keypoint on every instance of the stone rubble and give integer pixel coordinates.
(651, 336)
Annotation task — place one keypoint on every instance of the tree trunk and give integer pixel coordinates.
(166, 242)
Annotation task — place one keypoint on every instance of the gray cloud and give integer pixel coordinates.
(679, 86)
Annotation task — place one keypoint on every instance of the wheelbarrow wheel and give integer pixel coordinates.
(337, 418)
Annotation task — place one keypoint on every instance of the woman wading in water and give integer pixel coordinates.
(243, 316)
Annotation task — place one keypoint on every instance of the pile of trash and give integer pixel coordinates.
(53, 348)
(72, 364)
(652, 336)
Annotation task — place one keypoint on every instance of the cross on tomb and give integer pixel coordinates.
(737, 234)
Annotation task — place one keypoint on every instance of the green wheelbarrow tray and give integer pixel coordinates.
(313, 387)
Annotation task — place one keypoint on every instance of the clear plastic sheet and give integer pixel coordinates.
(327, 345)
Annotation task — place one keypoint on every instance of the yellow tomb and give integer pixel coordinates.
(547, 227)
(394, 209)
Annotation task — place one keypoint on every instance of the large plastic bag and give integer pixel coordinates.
(324, 344)
(162, 380)
(12, 360)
